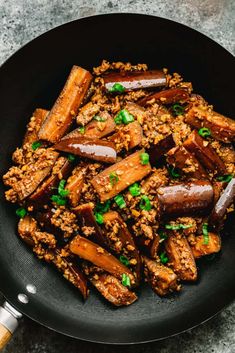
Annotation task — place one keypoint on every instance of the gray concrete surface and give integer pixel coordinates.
(23, 20)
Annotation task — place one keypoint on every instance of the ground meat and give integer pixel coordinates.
(65, 220)
(120, 66)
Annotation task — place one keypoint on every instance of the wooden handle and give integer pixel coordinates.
(5, 336)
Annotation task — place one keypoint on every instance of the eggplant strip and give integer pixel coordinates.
(181, 257)
(224, 202)
(128, 171)
(200, 248)
(127, 137)
(97, 255)
(149, 247)
(121, 241)
(87, 219)
(180, 158)
(186, 199)
(135, 80)
(95, 149)
(34, 125)
(204, 153)
(64, 110)
(168, 96)
(221, 127)
(42, 194)
(87, 113)
(157, 151)
(29, 232)
(162, 279)
(75, 184)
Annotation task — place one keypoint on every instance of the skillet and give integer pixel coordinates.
(32, 78)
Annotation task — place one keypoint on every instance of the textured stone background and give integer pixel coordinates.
(23, 20)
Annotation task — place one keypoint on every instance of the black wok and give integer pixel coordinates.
(32, 78)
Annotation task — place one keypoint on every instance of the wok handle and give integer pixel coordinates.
(8, 323)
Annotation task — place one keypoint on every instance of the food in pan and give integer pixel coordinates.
(127, 179)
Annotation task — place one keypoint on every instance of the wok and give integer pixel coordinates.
(32, 78)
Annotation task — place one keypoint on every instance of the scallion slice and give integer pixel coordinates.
(124, 260)
(205, 233)
(21, 212)
(144, 158)
(134, 189)
(120, 201)
(225, 178)
(163, 258)
(145, 203)
(36, 145)
(99, 218)
(117, 87)
(113, 178)
(204, 132)
(177, 109)
(126, 280)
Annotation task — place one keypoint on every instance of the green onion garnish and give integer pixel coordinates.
(21, 212)
(71, 157)
(124, 260)
(36, 144)
(205, 233)
(99, 218)
(173, 171)
(225, 178)
(145, 203)
(120, 201)
(134, 189)
(177, 226)
(144, 158)
(163, 258)
(113, 178)
(103, 207)
(123, 117)
(162, 234)
(99, 118)
(177, 109)
(61, 190)
(117, 87)
(81, 130)
(204, 132)
(126, 280)
(58, 199)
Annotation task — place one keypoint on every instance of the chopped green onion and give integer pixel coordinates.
(144, 158)
(120, 201)
(58, 199)
(81, 130)
(177, 109)
(163, 258)
(113, 178)
(162, 234)
(61, 190)
(205, 233)
(145, 203)
(204, 132)
(123, 117)
(21, 212)
(99, 218)
(174, 172)
(225, 178)
(177, 226)
(134, 189)
(103, 207)
(36, 144)
(71, 157)
(126, 280)
(99, 118)
(117, 87)
(124, 260)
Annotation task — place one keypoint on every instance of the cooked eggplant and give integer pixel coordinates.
(97, 255)
(124, 173)
(127, 137)
(186, 199)
(168, 96)
(95, 149)
(34, 125)
(204, 153)
(75, 184)
(226, 199)
(135, 80)
(181, 257)
(64, 110)
(221, 127)
(162, 279)
(157, 151)
(87, 113)
(208, 246)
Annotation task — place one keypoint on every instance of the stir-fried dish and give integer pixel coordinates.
(127, 179)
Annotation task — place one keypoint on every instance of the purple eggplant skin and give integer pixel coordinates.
(186, 199)
(95, 149)
(168, 96)
(135, 80)
(156, 152)
(226, 199)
